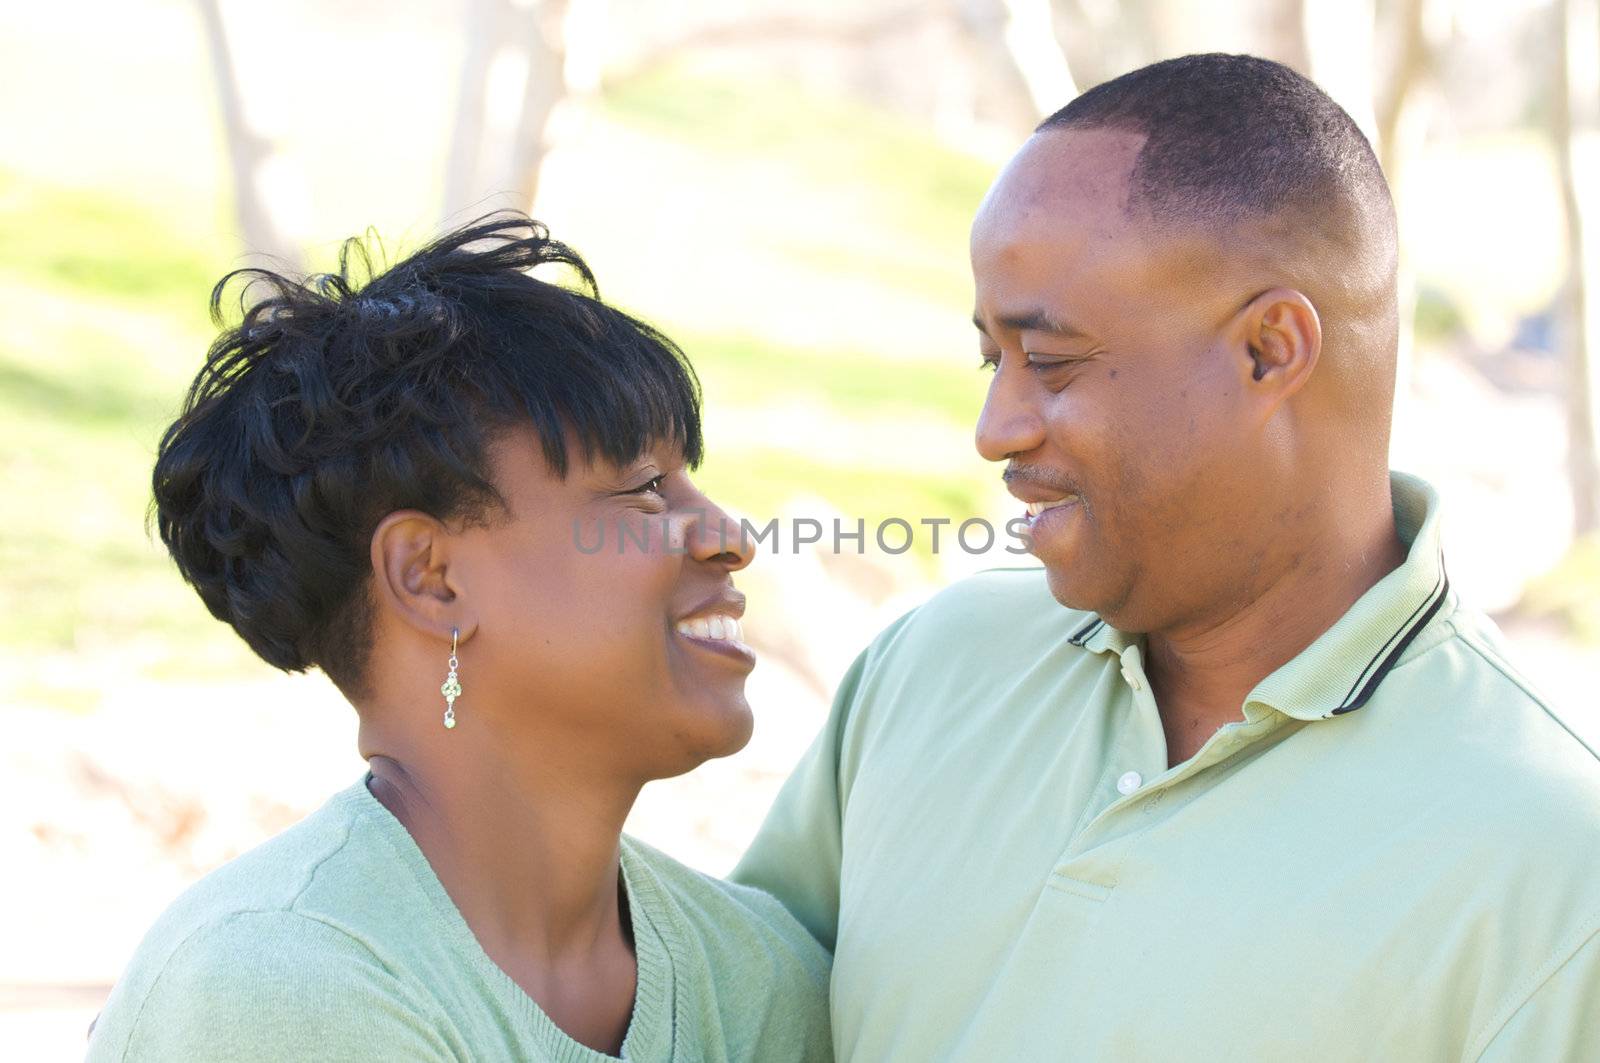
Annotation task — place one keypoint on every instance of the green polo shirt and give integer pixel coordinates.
(1393, 854)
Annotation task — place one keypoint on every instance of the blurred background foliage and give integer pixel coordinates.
(786, 191)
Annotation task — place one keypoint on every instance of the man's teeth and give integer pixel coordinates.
(721, 628)
(1036, 508)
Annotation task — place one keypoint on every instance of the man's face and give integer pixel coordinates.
(1118, 393)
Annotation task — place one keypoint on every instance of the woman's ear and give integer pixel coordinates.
(412, 577)
(1282, 340)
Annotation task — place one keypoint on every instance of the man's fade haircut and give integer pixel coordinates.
(1230, 137)
(342, 397)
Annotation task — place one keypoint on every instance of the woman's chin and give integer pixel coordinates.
(714, 732)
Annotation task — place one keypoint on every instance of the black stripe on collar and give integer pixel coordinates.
(1396, 646)
(1086, 631)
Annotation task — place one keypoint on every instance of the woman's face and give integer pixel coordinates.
(607, 625)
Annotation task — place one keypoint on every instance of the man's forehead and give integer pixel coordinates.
(1059, 213)
(1062, 201)
(1073, 170)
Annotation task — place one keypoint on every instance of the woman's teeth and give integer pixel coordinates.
(720, 628)
(1036, 508)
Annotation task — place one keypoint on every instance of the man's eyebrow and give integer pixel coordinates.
(1032, 321)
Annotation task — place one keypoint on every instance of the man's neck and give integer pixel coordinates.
(1202, 672)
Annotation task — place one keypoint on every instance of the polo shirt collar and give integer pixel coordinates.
(1341, 670)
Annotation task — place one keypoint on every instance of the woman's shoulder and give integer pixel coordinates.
(272, 946)
(317, 868)
(259, 984)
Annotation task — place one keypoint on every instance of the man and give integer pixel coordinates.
(1237, 776)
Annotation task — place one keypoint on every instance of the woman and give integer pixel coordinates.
(404, 484)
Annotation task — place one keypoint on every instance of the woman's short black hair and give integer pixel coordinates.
(344, 397)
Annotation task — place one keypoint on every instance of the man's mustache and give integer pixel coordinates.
(1041, 476)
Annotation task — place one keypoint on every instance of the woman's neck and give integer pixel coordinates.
(531, 857)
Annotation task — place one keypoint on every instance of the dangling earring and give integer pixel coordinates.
(452, 685)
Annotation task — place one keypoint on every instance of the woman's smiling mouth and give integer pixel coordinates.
(718, 632)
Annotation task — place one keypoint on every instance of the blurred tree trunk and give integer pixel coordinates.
(1583, 460)
(1031, 55)
(543, 42)
(1032, 33)
(774, 28)
(1285, 27)
(1102, 40)
(485, 25)
(1418, 28)
(510, 173)
(984, 25)
(1403, 108)
(1340, 38)
(1020, 74)
(249, 155)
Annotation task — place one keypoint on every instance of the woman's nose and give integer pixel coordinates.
(718, 538)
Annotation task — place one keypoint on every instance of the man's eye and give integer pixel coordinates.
(989, 364)
(651, 486)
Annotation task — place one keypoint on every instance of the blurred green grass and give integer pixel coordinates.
(925, 190)
(102, 245)
(105, 297)
(750, 370)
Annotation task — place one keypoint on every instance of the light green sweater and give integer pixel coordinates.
(336, 941)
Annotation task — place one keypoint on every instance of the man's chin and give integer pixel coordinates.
(1072, 587)
(1064, 591)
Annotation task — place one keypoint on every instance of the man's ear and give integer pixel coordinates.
(1282, 339)
(411, 574)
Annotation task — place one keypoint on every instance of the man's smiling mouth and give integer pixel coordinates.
(1035, 509)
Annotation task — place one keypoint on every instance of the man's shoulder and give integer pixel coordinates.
(1466, 681)
(1487, 653)
(1002, 590)
(998, 606)
(1522, 766)
(1500, 791)
(958, 650)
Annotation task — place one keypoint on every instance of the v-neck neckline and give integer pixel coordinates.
(650, 1026)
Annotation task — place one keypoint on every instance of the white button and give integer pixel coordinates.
(1133, 680)
(1130, 781)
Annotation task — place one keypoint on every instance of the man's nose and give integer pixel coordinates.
(1010, 422)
